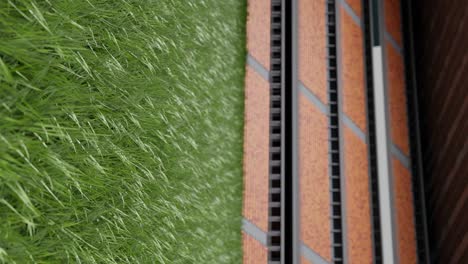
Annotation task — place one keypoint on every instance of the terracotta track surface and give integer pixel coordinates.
(256, 129)
(357, 205)
(402, 184)
(256, 149)
(254, 251)
(314, 175)
(315, 225)
(313, 179)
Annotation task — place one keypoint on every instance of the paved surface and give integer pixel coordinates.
(403, 196)
(256, 131)
(315, 232)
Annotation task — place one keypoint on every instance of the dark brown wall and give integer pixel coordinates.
(441, 47)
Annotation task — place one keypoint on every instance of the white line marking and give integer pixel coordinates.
(385, 192)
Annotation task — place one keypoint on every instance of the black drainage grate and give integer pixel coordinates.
(334, 138)
(275, 210)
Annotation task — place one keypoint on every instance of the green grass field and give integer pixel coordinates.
(121, 131)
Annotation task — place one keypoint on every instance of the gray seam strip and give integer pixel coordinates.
(357, 20)
(398, 153)
(258, 67)
(313, 98)
(393, 42)
(254, 231)
(258, 234)
(351, 12)
(311, 255)
(402, 157)
(350, 124)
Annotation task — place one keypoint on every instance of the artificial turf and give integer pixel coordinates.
(121, 131)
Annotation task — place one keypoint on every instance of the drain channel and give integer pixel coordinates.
(415, 142)
(376, 234)
(281, 198)
(334, 138)
(276, 166)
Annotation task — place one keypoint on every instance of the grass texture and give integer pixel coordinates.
(121, 131)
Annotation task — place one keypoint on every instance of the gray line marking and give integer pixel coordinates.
(254, 231)
(311, 255)
(358, 21)
(324, 109)
(313, 98)
(258, 234)
(354, 127)
(393, 42)
(351, 12)
(400, 155)
(258, 67)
